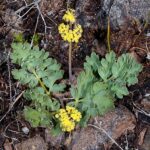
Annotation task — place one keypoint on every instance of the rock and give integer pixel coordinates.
(115, 123)
(25, 130)
(141, 136)
(55, 141)
(2, 139)
(86, 11)
(146, 104)
(51, 6)
(35, 143)
(146, 143)
(142, 110)
(11, 19)
(121, 12)
(3, 57)
(7, 145)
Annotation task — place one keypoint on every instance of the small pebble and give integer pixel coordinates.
(148, 34)
(148, 56)
(25, 130)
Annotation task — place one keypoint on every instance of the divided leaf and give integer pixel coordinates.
(41, 100)
(84, 82)
(37, 117)
(104, 80)
(36, 65)
(92, 62)
(36, 70)
(103, 102)
(106, 65)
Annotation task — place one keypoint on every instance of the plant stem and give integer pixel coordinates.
(108, 34)
(41, 83)
(76, 102)
(70, 61)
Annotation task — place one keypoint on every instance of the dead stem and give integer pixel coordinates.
(12, 105)
(37, 21)
(101, 129)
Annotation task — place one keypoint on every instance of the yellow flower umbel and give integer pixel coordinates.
(68, 118)
(69, 16)
(70, 32)
(70, 35)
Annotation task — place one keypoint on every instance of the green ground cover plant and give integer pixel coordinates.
(99, 85)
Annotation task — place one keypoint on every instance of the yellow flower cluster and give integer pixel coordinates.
(70, 32)
(68, 117)
(70, 35)
(69, 16)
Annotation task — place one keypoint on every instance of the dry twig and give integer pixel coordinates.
(12, 105)
(105, 132)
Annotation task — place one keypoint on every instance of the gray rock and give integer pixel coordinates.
(86, 11)
(121, 12)
(115, 123)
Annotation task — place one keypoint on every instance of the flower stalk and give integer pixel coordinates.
(108, 35)
(70, 62)
(70, 32)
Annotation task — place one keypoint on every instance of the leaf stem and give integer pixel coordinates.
(41, 83)
(70, 61)
(76, 102)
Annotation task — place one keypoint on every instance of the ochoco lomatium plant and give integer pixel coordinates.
(71, 32)
(98, 86)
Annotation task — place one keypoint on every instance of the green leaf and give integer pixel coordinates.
(92, 62)
(115, 70)
(37, 118)
(103, 102)
(84, 82)
(104, 73)
(98, 86)
(106, 66)
(132, 80)
(56, 130)
(84, 120)
(25, 77)
(18, 37)
(120, 90)
(33, 59)
(111, 57)
(41, 100)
